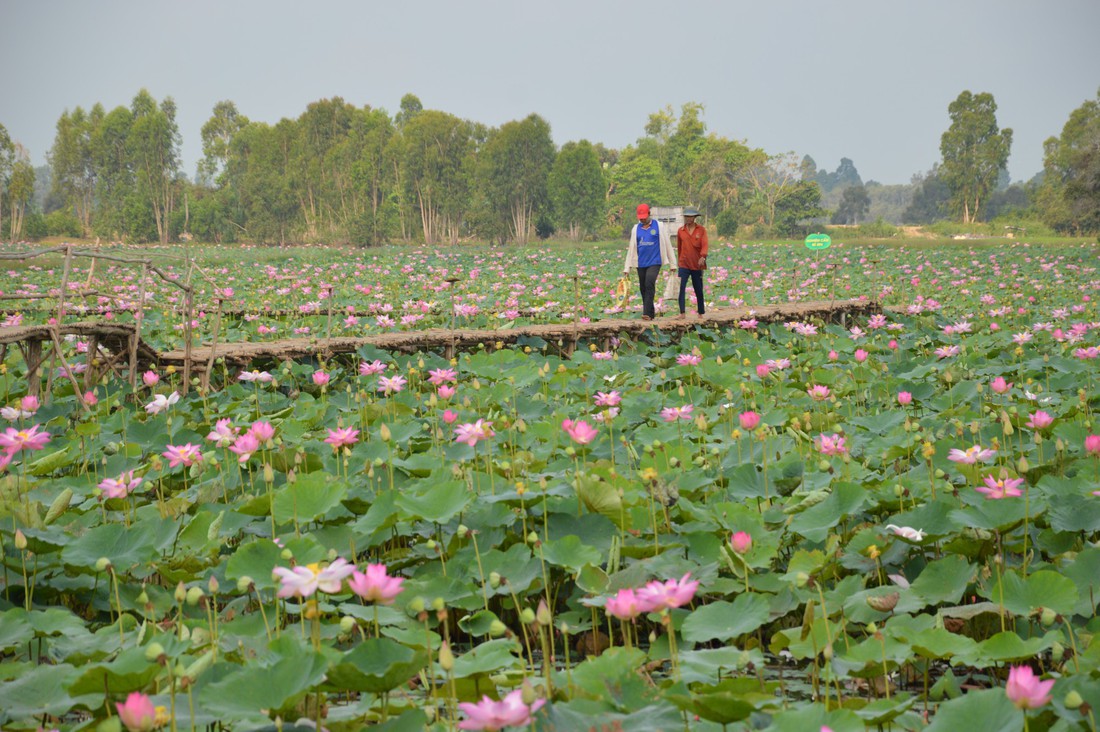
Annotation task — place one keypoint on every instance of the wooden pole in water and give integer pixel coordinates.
(189, 305)
(213, 347)
(139, 317)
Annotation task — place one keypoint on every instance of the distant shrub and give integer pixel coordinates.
(726, 223)
(62, 223)
(877, 229)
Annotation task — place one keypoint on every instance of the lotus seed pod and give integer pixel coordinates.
(347, 624)
(102, 564)
(899, 490)
(823, 465)
(497, 628)
(416, 605)
(194, 594)
(379, 462)
(462, 531)
(657, 444)
(570, 451)
(527, 616)
(143, 598)
(1057, 651)
(801, 579)
(438, 604)
(286, 554)
(153, 651)
(939, 474)
(494, 580)
(1047, 617)
(244, 584)
(1073, 700)
(532, 538)
(674, 461)
(431, 544)
(528, 694)
(883, 603)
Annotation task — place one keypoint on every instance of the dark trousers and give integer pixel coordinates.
(647, 282)
(696, 284)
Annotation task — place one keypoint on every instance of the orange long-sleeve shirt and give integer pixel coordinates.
(693, 245)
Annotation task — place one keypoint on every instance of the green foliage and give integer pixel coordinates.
(576, 189)
(854, 204)
(512, 172)
(726, 223)
(1071, 185)
(931, 200)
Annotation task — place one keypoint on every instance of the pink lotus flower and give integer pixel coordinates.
(671, 414)
(970, 455)
(29, 404)
(818, 392)
(331, 578)
(610, 399)
(833, 355)
(120, 487)
(223, 434)
(296, 582)
(580, 431)
(320, 378)
(342, 437)
(749, 420)
(905, 398)
(1092, 445)
(493, 716)
(861, 355)
(446, 391)
(391, 384)
(999, 385)
(150, 378)
(831, 444)
(13, 440)
(688, 359)
(763, 370)
(375, 585)
(137, 714)
(449, 416)
(262, 431)
(186, 455)
(670, 593)
(260, 377)
(5, 461)
(90, 398)
(161, 403)
(1003, 488)
(741, 542)
(473, 433)
(1025, 690)
(907, 532)
(369, 368)
(244, 446)
(1040, 420)
(441, 376)
(627, 605)
(603, 355)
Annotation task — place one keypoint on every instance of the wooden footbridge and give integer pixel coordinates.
(119, 348)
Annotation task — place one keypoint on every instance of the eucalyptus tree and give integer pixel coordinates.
(1071, 184)
(118, 204)
(7, 158)
(72, 163)
(20, 190)
(434, 165)
(153, 147)
(974, 150)
(577, 188)
(217, 134)
(513, 170)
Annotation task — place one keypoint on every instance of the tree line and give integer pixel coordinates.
(346, 174)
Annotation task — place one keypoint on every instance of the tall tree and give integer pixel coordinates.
(774, 179)
(854, 205)
(931, 199)
(20, 190)
(7, 158)
(118, 204)
(577, 188)
(1071, 185)
(974, 152)
(72, 164)
(217, 133)
(435, 171)
(153, 146)
(514, 167)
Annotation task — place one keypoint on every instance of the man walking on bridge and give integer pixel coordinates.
(649, 247)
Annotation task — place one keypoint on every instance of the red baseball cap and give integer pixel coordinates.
(643, 211)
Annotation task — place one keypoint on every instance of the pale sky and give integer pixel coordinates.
(870, 80)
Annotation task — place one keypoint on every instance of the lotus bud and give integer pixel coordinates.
(543, 614)
(244, 584)
(102, 564)
(528, 694)
(527, 616)
(827, 652)
(652, 637)
(1073, 700)
(385, 432)
(1021, 465)
(20, 540)
(194, 594)
(446, 658)
(269, 474)
(347, 624)
(181, 593)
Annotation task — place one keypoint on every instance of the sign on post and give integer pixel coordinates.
(818, 241)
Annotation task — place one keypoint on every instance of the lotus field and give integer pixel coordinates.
(888, 523)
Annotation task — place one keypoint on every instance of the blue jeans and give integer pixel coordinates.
(696, 284)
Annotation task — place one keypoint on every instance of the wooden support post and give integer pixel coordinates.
(139, 317)
(90, 362)
(189, 308)
(33, 358)
(328, 323)
(205, 377)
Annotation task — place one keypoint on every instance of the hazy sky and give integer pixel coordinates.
(865, 79)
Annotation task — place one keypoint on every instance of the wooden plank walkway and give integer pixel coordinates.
(241, 354)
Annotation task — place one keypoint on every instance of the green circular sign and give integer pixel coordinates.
(818, 241)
